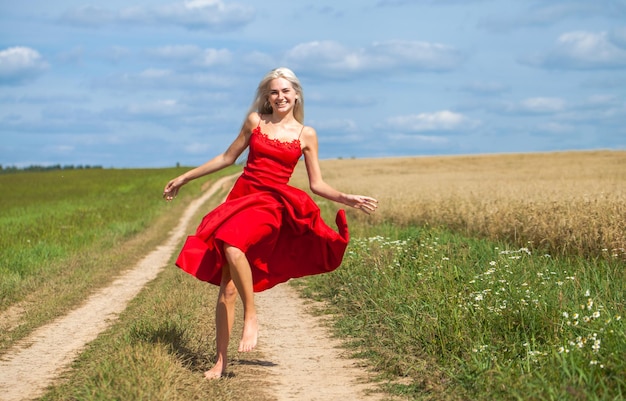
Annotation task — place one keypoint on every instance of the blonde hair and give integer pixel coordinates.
(260, 103)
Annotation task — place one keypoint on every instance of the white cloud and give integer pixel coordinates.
(553, 127)
(542, 105)
(88, 16)
(199, 4)
(118, 73)
(160, 79)
(212, 15)
(176, 52)
(335, 125)
(37, 99)
(194, 55)
(576, 108)
(153, 73)
(398, 3)
(428, 139)
(198, 148)
(332, 58)
(431, 139)
(581, 50)
(340, 100)
(416, 54)
(212, 57)
(444, 120)
(159, 108)
(20, 64)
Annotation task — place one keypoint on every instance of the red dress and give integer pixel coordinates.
(279, 227)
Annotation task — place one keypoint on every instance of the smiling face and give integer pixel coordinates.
(281, 96)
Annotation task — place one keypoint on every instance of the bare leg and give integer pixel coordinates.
(224, 318)
(241, 275)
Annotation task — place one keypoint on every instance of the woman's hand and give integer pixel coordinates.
(171, 189)
(363, 203)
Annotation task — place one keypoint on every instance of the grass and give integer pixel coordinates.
(50, 216)
(485, 277)
(570, 203)
(163, 342)
(161, 346)
(65, 233)
(468, 319)
(477, 279)
(159, 349)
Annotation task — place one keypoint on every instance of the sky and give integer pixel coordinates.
(130, 84)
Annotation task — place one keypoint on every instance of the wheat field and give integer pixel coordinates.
(563, 203)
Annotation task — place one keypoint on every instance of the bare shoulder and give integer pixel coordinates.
(252, 120)
(308, 138)
(308, 133)
(250, 123)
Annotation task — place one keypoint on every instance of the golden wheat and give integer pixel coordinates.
(566, 202)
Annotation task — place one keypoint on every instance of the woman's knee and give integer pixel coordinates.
(229, 291)
(232, 253)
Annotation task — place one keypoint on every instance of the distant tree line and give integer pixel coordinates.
(14, 169)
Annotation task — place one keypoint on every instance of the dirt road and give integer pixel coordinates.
(306, 362)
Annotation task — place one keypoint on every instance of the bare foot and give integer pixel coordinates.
(214, 373)
(250, 334)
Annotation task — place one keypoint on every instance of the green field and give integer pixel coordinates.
(436, 314)
(64, 233)
(467, 319)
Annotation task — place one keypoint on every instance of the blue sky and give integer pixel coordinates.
(154, 83)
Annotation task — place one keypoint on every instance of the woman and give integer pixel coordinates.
(266, 232)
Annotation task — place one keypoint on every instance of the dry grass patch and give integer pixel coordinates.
(566, 203)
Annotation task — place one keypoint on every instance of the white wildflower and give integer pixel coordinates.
(596, 345)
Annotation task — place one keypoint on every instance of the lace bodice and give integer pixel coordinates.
(271, 159)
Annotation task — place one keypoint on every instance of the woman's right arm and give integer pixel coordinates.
(218, 162)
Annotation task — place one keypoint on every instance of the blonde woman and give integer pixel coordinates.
(266, 232)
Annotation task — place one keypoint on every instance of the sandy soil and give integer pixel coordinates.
(307, 363)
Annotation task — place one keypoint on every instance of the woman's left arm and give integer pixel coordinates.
(319, 186)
